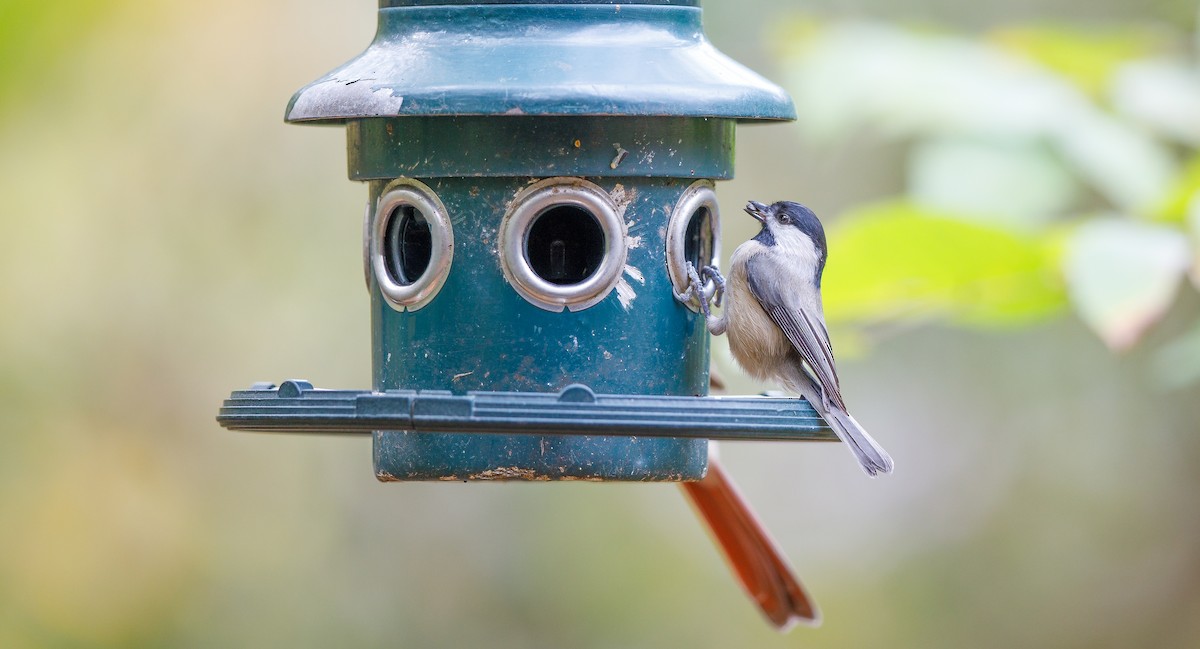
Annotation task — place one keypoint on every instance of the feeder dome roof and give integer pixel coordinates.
(522, 58)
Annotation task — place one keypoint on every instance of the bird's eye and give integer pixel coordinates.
(785, 219)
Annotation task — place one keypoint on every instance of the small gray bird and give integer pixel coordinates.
(776, 324)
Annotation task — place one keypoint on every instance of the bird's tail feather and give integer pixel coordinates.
(871, 456)
(756, 560)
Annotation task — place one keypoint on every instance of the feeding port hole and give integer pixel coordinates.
(565, 245)
(693, 237)
(408, 245)
(562, 244)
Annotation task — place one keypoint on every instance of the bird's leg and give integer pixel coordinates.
(820, 390)
(714, 273)
(691, 290)
(715, 325)
(696, 287)
(802, 380)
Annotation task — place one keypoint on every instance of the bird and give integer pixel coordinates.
(753, 556)
(774, 319)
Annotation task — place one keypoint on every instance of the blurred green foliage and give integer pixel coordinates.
(1177, 204)
(1088, 57)
(898, 260)
(36, 36)
(1070, 140)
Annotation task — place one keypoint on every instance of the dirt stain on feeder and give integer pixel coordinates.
(625, 293)
(622, 198)
(619, 158)
(508, 473)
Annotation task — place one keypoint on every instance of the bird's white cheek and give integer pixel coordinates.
(797, 246)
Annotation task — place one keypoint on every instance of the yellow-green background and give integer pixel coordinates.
(165, 238)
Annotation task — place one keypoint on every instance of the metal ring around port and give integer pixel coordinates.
(699, 195)
(399, 193)
(534, 201)
(368, 213)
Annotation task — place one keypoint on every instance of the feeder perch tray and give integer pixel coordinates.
(296, 406)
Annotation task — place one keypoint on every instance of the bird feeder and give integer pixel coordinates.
(539, 176)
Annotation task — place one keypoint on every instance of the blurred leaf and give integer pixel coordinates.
(897, 260)
(856, 75)
(1163, 95)
(1183, 191)
(1088, 57)
(1005, 182)
(868, 74)
(1121, 162)
(1193, 226)
(1122, 275)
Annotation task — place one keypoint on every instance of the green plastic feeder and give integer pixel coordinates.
(539, 174)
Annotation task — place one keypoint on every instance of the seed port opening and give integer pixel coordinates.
(408, 245)
(565, 245)
(562, 244)
(693, 237)
(698, 239)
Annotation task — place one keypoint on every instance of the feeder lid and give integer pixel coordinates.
(520, 58)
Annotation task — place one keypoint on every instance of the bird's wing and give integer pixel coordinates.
(792, 302)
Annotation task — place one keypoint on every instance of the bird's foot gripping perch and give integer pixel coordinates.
(706, 297)
(695, 289)
(718, 280)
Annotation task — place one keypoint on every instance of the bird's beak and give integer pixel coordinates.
(757, 210)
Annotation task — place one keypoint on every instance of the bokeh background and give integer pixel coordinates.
(1010, 193)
